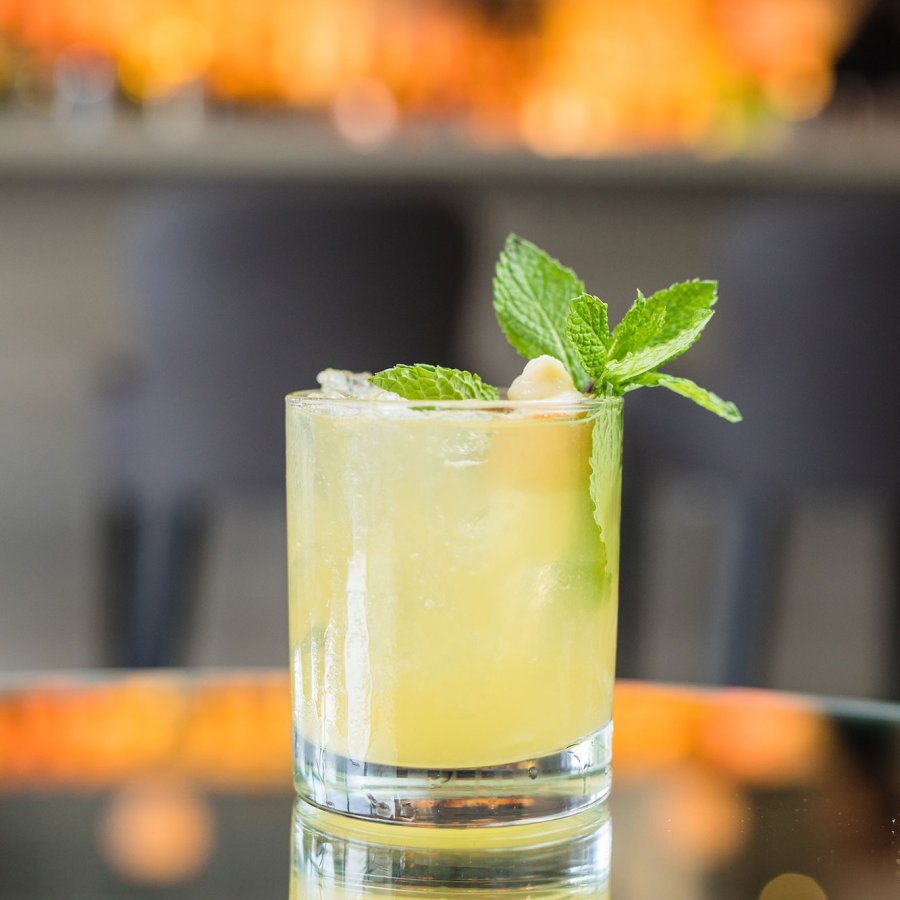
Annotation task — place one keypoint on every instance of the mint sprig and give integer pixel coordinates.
(543, 309)
(427, 382)
(653, 332)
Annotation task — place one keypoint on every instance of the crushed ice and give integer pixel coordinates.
(341, 384)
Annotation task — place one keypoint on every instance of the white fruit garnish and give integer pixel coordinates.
(544, 378)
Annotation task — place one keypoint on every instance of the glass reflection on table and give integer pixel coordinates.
(334, 856)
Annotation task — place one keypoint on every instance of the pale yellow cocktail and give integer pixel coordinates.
(453, 592)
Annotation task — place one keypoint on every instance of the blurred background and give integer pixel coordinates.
(204, 202)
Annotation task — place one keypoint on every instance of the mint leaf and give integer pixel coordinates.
(532, 294)
(687, 388)
(659, 328)
(683, 299)
(606, 479)
(587, 329)
(426, 382)
(638, 329)
(651, 351)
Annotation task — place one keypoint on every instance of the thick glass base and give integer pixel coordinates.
(528, 790)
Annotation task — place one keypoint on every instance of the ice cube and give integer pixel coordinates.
(464, 448)
(341, 384)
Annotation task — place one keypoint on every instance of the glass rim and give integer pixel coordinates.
(313, 398)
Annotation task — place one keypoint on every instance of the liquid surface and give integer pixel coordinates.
(450, 604)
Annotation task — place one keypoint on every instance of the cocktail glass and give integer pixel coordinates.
(453, 571)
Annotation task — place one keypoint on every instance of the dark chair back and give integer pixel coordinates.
(807, 335)
(239, 298)
(808, 330)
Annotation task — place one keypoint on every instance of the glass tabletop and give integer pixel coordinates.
(177, 784)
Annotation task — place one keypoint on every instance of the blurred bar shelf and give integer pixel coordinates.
(817, 156)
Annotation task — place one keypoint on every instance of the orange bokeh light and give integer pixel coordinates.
(699, 818)
(157, 831)
(655, 727)
(566, 77)
(72, 734)
(763, 738)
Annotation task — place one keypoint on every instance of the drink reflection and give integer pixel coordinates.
(335, 857)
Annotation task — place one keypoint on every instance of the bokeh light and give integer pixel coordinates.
(656, 728)
(365, 112)
(72, 734)
(791, 886)
(700, 818)
(764, 738)
(564, 77)
(157, 831)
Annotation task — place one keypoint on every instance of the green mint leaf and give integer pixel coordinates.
(532, 294)
(606, 480)
(587, 329)
(426, 382)
(659, 328)
(656, 349)
(684, 386)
